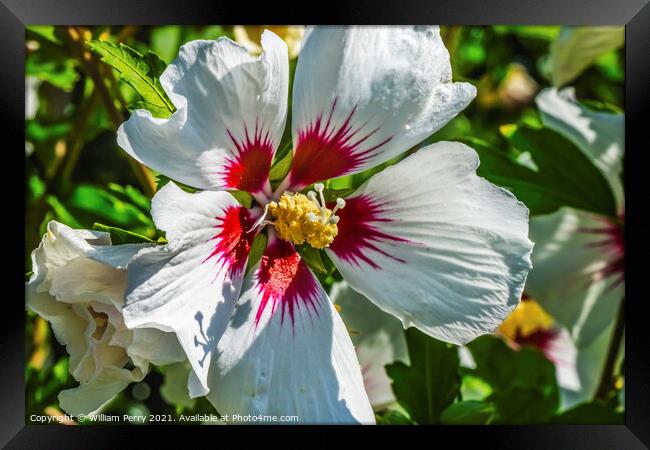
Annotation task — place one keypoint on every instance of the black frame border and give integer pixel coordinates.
(634, 14)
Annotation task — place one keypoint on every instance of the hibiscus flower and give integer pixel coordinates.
(78, 286)
(426, 240)
(579, 258)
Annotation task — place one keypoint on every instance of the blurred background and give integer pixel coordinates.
(76, 174)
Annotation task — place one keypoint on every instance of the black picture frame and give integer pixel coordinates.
(634, 14)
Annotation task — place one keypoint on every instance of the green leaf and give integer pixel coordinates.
(474, 388)
(332, 194)
(133, 195)
(174, 388)
(281, 167)
(257, 250)
(595, 413)
(46, 32)
(38, 132)
(598, 106)
(101, 203)
(120, 236)
(61, 212)
(544, 32)
(469, 412)
(166, 40)
(162, 180)
(60, 370)
(58, 71)
(521, 405)
(37, 186)
(500, 366)
(141, 72)
(243, 197)
(393, 418)
(431, 383)
(312, 257)
(523, 381)
(565, 176)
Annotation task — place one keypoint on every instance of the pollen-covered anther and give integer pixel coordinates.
(300, 218)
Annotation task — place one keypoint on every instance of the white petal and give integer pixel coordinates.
(378, 339)
(600, 135)
(231, 111)
(363, 95)
(466, 358)
(286, 350)
(89, 397)
(430, 242)
(566, 278)
(576, 48)
(83, 267)
(191, 285)
(68, 328)
(155, 346)
(590, 363)
(562, 351)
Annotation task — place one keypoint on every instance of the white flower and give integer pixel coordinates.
(579, 258)
(426, 240)
(78, 285)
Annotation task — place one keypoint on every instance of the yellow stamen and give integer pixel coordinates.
(299, 219)
(527, 318)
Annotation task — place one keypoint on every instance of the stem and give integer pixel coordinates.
(607, 375)
(90, 63)
(78, 136)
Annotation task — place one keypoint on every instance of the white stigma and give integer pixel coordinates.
(262, 220)
(314, 197)
(340, 204)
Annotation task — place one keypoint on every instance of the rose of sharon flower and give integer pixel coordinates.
(579, 258)
(426, 240)
(78, 285)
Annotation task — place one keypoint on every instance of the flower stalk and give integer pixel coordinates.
(75, 40)
(607, 375)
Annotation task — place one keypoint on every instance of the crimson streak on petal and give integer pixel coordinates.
(612, 241)
(232, 242)
(249, 169)
(284, 280)
(357, 234)
(326, 150)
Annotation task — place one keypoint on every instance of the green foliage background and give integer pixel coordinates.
(76, 174)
